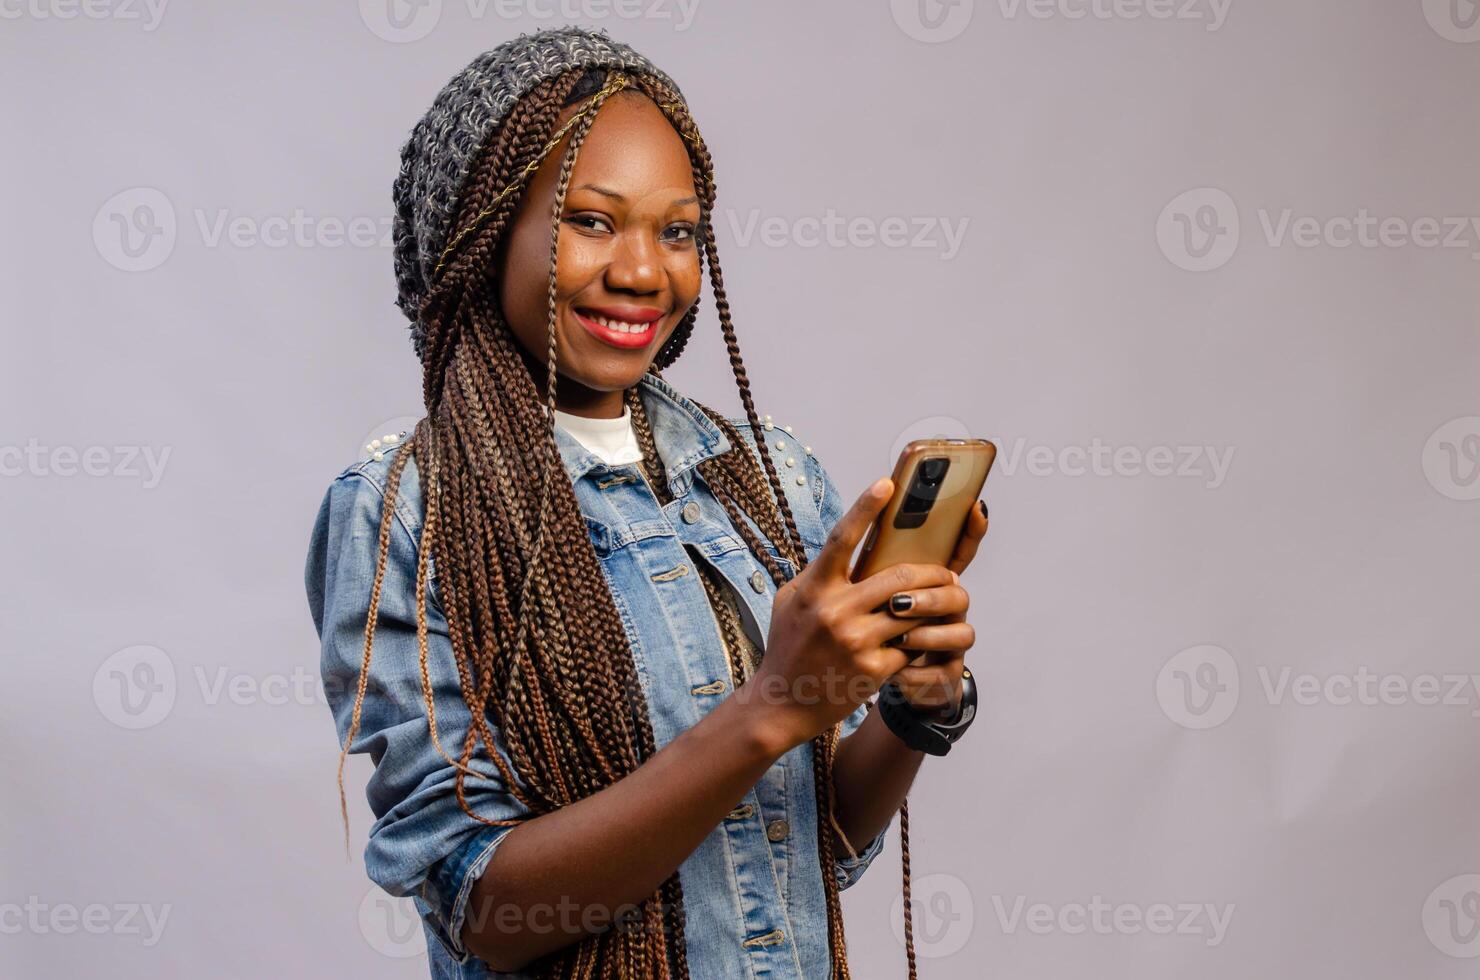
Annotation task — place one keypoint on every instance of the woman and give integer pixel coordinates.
(568, 570)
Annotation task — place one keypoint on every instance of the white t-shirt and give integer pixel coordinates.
(611, 439)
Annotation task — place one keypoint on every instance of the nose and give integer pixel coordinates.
(635, 265)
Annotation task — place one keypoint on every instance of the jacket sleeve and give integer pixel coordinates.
(422, 843)
(831, 508)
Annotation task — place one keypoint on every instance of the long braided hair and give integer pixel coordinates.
(539, 644)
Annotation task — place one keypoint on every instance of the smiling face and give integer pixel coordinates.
(628, 264)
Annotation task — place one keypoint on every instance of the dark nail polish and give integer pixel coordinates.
(901, 602)
(983, 505)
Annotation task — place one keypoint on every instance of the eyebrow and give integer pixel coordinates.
(617, 197)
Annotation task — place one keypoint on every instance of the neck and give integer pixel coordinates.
(577, 399)
(589, 403)
(573, 397)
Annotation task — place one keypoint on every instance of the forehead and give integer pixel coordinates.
(631, 148)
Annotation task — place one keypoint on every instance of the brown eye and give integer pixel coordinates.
(589, 222)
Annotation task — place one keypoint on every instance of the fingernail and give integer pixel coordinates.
(901, 602)
(983, 505)
(956, 579)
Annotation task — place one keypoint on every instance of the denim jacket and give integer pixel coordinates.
(753, 887)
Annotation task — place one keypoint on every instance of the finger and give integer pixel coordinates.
(872, 592)
(837, 550)
(940, 600)
(914, 637)
(931, 658)
(930, 687)
(971, 538)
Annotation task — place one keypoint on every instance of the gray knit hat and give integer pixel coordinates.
(436, 157)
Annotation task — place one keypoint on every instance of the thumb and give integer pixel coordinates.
(836, 552)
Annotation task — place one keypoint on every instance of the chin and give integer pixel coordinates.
(602, 368)
(610, 377)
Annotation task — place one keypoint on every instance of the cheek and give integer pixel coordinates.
(580, 264)
(521, 280)
(686, 276)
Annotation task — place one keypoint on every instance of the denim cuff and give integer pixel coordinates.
(449, 886)
(849, 870)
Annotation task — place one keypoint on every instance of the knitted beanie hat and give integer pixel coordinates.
(436, 157)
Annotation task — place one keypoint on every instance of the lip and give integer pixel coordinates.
(632, 314)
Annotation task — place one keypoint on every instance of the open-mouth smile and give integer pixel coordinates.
(625, 327)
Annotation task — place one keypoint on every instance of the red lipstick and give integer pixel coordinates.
(627, 327)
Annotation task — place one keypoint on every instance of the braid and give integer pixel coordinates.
(538, 642)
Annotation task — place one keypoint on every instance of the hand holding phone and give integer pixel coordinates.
(936, 483)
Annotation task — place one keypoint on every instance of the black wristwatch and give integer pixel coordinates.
(919, 731)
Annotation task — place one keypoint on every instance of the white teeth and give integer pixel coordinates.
(621, 326)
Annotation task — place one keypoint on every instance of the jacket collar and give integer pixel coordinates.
(683, 434)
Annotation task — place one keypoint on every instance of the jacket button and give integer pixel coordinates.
(777, 830)
(757, 581)
(690, 512)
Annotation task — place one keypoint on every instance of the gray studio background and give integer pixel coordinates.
(1207, 273)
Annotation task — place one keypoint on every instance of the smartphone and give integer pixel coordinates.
(936, 483)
